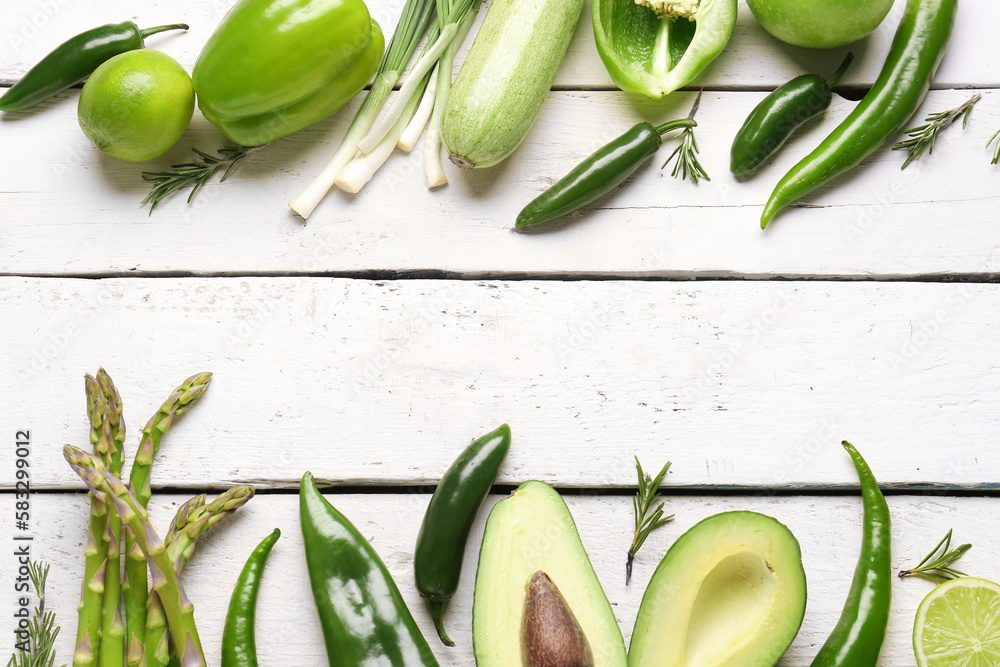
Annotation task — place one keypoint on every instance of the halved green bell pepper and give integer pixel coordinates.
(273, 67)
(654, 47)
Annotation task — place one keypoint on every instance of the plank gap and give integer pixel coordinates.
(915, 489)
(388, 275)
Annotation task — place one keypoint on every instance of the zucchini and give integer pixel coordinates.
(505, 78)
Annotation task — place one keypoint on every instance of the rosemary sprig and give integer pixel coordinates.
(42, 630)
(996, 151)
(194, 174)
(687, 152)
(923, 137)
(645, 521)
(939, 568)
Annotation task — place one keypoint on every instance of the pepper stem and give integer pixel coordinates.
(682, 123)
(146, 32)
(437, 613)
(832, 81)
(679, 124)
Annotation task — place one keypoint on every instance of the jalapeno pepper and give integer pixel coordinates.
(917, 49)
(600, 173)
(364, 618)
(778, 115)
(654, 47)
(857, 638)
(74, 60)
(440, 550)
(272, 67)
(239, 646)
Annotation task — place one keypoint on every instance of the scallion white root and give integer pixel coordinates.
(432, 144)
(416, 127)
(360, 170)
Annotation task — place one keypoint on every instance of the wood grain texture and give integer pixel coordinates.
(69, 209)
(740, 383)
(752, 59)
(828, 530)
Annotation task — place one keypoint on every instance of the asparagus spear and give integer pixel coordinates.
(155, 652)
(193, 519)
(136, 591)
(112, 626)
(88, 635)
(199, 519)
(177, 608)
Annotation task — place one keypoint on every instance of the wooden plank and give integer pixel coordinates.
(828, 529)
(753, 58)
(740, 383)
(70, 209)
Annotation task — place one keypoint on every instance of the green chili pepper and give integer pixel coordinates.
(600, 173)
(778, 115)
(917, 49)
(437, 559)
(364, 618)
(239, 647)
(74, 60)
(273, 67)
(857, 638)
(654, 47)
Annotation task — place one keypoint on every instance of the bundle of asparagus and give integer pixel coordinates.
(158, 627)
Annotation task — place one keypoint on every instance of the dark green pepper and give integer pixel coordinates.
(603, 171)
(654, 47)
(273, 67)
(74, 60)
(917, 49)
(778, 115)
(365, 621)
(239, 645)
(857, 638)
(437, 559)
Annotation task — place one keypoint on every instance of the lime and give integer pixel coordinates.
(136, 105)
(958, 625)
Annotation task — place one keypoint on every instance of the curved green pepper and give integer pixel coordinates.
(364, 618)
(857, 638)
(654, 47)
(440, 550)
(239, 642)
(273, 67)
(916, 51)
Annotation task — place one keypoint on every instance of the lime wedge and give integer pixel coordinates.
(958, 625)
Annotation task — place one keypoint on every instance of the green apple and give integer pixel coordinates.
(820, 24)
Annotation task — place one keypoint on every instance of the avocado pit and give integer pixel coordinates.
(550, 633)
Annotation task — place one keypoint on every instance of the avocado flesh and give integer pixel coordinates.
(731, 592)
(529, 531)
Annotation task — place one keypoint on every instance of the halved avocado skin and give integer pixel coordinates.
(533, 530)
(753, 544)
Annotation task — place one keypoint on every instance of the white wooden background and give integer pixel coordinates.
(372, 343)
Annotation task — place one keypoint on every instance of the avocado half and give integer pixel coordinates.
(731, 592)
(531, 531)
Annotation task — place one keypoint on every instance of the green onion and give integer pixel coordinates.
(432, 144)
(413, 25)
(360, 170)
(416, 126)
(423, 65)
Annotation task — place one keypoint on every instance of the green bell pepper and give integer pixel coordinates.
(273, 67)
(654, 47)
